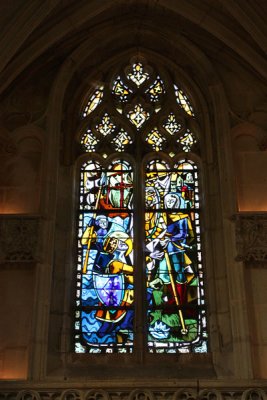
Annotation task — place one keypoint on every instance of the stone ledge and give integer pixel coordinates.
(175, 393)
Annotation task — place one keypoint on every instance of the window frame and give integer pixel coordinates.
(140, 336)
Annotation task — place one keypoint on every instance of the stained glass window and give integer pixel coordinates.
(139, 116)
(120, 90)
(121, 140)
(155, 139)
(105, 283)
(106, 126)
(175, 294)
(187, 140)
(183, 101)
(171, 125)
(93, 101)
(137, 74)
(89, 141)
(155, 90)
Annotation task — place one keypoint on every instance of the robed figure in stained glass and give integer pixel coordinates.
(106, 254)
(171, 257)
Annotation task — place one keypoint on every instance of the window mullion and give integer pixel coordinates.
(139, 240)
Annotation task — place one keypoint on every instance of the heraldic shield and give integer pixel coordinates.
(109, 288)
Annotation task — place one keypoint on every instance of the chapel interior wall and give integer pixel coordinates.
(24, 171)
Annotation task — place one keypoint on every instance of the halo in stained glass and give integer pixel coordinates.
(91, 166)
(188, 176)
(119, 165)
(121, 140)
(89, 141)
(94, 101)
(155, 90)
(157, 175)
(187, 140)
(138, 116)
(138, 75)
(120, 90)
(157, 165)
(106, 126)
(155, 139)
(183, 101)
(171, 125)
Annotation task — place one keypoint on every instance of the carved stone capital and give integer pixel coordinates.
(18, 238)
(251, 238)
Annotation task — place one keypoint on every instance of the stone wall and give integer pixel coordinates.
(51, 57)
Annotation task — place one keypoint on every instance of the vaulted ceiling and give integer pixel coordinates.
(36, 31)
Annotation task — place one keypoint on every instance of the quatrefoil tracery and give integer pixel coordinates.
(130, 107)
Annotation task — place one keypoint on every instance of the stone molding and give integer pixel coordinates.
(19, 238)
(251, 238)
(135, 394)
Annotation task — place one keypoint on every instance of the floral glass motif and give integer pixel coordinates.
(183, 101)
(138, 76)
(106, 126)
(94, 101)
(138, 116)
(105, 286)
(155, 139)
(187, 140)
(175, 294)
(155, 90)
(89, 141)
(171, 125)
(121, 90)
(121, 140)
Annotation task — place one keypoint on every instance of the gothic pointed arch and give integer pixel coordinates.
(139, 230)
